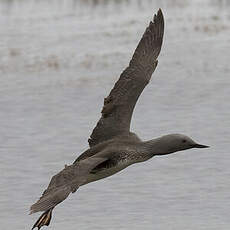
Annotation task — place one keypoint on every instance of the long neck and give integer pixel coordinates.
(155, 147)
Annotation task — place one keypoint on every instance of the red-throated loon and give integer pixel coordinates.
(112, 146)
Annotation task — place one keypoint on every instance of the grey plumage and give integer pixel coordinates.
(65, 182)
(112, 146)
(119, 105)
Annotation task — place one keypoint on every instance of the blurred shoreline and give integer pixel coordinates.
(31, 30)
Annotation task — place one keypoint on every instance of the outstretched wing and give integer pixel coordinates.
(118, 106)
(65, 182)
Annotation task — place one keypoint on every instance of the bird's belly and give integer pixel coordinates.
(106, 172)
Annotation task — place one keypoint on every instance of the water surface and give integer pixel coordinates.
(59, 59)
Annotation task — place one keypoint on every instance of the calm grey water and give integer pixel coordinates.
(59, 59)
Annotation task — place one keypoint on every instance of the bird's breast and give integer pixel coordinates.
(106, 169)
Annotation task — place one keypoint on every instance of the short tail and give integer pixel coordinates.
(44, 219)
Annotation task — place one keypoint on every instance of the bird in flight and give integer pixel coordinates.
(112, 147)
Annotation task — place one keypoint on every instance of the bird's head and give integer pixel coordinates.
(176, 142)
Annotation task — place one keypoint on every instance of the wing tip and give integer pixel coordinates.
(159, 14)
(34, 208)
(31, 211)
(157, 26)
(43, 204)
(158, 19)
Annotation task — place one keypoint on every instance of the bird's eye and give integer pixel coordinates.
(184, 141)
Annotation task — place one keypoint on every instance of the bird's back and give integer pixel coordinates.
(116, 143)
